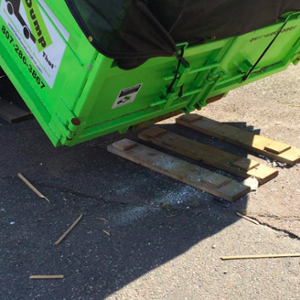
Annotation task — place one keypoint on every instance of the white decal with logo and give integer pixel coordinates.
(127, 96)
(39, 32)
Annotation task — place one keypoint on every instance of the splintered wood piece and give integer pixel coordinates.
(248, 140)
(46, 211)
(263, 173)
(191, 118)
(247, 218)
(155, 132)
(68, 231)
(260, 256)
(12, 113)
(215, 180)
(277, 147)
(46, 277)
(34, 189)
(124, 145)
(203, 179)
(242, 167)
(246, 164)
(106, 232)
(101, 219)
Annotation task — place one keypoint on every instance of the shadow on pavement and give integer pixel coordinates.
(151, 219)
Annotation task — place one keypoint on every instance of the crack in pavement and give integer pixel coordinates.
(102, 199)
(159, 207)
(289, 233)
(95, 198)
(275, 217)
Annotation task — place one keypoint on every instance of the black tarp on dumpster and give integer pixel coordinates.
(133, 31)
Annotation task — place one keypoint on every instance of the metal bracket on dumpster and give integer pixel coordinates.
(208, 85)
(168, 93)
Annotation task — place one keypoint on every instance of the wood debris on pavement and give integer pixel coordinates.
(101, 219)
(260, 256)
(33, 188)
(68, 231)
(12, 113)
(46, 211)
(47, 277)
(247, 218)
(106, 232)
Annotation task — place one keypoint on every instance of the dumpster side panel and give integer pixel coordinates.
(214, 69)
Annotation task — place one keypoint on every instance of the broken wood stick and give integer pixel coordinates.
(260, 256)
(47, 277)
(46, 211)
(84, 224)
(101, 219)
(247, 218)
(34, 189)
(106, 232)
(68, 231)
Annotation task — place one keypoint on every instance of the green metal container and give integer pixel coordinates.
(77, 94)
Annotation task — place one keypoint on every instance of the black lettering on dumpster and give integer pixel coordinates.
(271, 34)
(41, 39)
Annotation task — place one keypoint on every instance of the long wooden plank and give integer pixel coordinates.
(260, 256)
(242, 167)
(215, 184)
(12, 113)
(248, 140)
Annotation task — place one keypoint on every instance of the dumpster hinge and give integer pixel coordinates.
(65, 121)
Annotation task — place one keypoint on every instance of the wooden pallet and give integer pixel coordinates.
(241, 167)
(215, 184)
(12, 113)
(276, 150)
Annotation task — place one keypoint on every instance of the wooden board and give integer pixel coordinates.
(242, 167)
(276, 150)
(12, 113)
(215, 184)
(46, 277)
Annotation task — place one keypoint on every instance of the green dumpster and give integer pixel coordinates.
(87, 68)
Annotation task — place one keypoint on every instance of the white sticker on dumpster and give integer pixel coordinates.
(27, 24)
(127, 96)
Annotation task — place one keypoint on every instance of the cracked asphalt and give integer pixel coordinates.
(165, 238)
